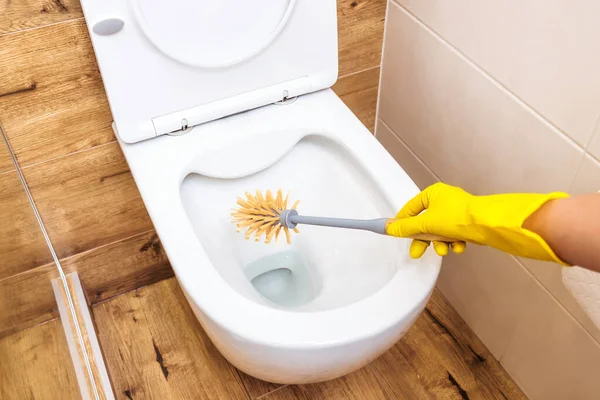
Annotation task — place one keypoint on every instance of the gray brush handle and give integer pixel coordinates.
(290, 219)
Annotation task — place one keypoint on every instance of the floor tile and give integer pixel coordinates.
(441, 357)
(154, 347)
(40, 366)
(22, 245)
(19, 15)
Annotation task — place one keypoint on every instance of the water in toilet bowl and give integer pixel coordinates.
(323, 268)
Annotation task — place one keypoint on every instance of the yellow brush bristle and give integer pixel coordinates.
(259, 215)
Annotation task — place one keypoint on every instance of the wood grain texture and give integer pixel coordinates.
(155, 348)
(22, 244)
(36, 365)
(52, 100)
(6, 163)
(27, 14)
(359, 93)
(26, 299)
(87, 199)
(360, 34)
(439, 358)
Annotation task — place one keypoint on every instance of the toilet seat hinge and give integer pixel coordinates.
(185, 128)
(286, 99)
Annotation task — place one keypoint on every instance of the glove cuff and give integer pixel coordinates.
(534, 236)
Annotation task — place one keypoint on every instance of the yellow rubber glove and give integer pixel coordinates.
(495, 221)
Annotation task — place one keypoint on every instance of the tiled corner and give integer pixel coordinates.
(547, 53)
(587, 179)
(409, 162)
(550, 355)
(488, 289)
(594, 145)
(463, 126)
(549, 275)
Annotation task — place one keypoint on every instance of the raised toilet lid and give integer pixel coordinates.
(171, 65)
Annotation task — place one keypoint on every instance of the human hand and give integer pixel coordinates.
(495, 221)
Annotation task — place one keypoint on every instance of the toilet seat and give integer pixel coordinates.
(159, 167)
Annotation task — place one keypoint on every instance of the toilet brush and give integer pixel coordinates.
(267, 214)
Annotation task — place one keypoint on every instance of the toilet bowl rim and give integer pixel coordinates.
(345, 129)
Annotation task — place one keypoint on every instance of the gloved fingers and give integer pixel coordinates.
(458, 247)
(441, 248)
(415, 205)
(406, 227)
(418, 247)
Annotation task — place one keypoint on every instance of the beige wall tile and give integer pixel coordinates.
(594, 145)
(465, 128)
(488, 289)
(411, 164)
(550, 355)
(587, 179)
(549, 275)
(547, 53)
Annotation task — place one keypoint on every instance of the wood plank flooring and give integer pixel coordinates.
(35, 364)
(155, 348)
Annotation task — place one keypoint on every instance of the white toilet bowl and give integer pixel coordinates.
(331, 301)
(180, 81)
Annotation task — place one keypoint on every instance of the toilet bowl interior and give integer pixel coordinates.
(323, 268)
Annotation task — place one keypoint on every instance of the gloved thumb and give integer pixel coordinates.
(406, 227)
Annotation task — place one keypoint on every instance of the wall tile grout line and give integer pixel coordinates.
(41, 26)
(54, 256)
(585, 152)
(548, 292)
(515, 258)
(488, 76)
(411, 151)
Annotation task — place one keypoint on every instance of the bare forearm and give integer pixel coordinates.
(571, 227)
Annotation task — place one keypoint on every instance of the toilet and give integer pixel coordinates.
(213, 99)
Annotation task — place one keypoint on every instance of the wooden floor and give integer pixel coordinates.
(155, 348)
(35, 364)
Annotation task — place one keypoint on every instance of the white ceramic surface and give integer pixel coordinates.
(333, 300)
(369, 289)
